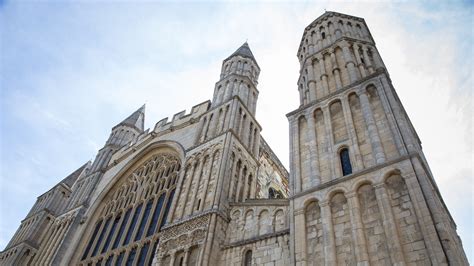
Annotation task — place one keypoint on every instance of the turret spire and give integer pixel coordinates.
(136, 119)
(243, 51)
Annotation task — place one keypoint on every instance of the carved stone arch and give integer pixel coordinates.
(309, 201)
(355, 187)
(264, 222)
(112, 184)
(236, 213)
(394, 171)
(334, 191)
(279, 220)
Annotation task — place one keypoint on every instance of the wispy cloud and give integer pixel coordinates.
(70, 71)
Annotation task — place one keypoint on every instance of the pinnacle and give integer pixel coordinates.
(243, 51)
(136, 119)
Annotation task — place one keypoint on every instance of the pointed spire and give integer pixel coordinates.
(137, 119)
(243, 51)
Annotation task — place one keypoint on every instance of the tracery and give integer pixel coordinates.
(134, 211)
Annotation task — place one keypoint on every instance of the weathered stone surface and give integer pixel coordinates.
(206, 189)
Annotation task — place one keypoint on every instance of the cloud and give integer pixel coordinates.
(71, 71)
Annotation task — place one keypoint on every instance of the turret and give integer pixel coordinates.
(239, 77)
(336, 50)
(122, 134)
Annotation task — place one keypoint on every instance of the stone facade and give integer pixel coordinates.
(361, 189)
(206, 189)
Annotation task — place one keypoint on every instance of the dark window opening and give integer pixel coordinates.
(323, 35)
(345, 162)
(248, 258)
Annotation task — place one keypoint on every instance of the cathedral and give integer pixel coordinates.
(204, 188)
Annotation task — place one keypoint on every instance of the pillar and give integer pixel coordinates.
(324, 76)
(358, 236)
(328, 235)
(336, 71)
(349, 62)
(375, 141)
(390, 226)
(311, 81)
(330, 143)
(313, 152)
(300, 236)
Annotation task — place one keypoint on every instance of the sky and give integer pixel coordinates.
(71, 70)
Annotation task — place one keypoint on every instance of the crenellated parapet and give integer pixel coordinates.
(182, 119)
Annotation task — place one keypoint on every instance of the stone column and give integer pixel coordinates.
(232, 177)
(239, 183)
(375, 141)
(328, 235)
(256, 142)
(311, 81)
(253, 190)
(173, 257)
(331, 32)
(358, 236)
(319, 40)
(313, 151)
(346, 109)
(349, 62)
(330, 143)
(196, 179)
(368, 63)
(336, 71)
(295, 150)
(246, 186)
(359, 62)
(207, 177)
(300, 236)
(43, 250)
(390, 226)
(186, 256)
(324, 76)
(188, 185)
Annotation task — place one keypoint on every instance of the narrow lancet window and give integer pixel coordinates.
(248, 258)
(345, 162)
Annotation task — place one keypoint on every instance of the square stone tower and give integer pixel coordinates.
(362, 191)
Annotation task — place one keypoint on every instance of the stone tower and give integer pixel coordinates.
(204, 188)
(187, 192)
(362, 191)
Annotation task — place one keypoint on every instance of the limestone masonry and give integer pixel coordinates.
(205, 188)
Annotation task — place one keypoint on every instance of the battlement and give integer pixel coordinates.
(181, 117)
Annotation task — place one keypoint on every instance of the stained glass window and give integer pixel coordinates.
(111, 233)
(89, 245)
(131, 212)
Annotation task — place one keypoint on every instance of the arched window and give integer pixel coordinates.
(323, 35)
(133, 211)
(345, 162)
(248, 258)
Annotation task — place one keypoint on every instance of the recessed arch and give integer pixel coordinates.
(146, 208)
